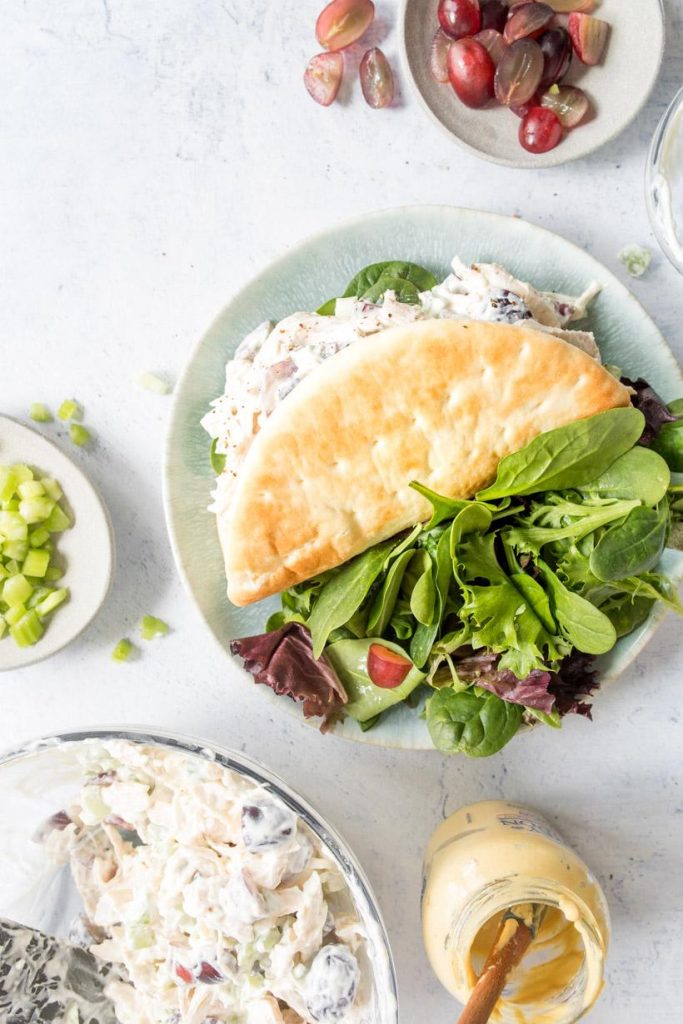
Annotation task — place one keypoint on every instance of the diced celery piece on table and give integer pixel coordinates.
(151, 382)
(52, 601)
(13, 615)
(79, 434)
(38, 536)
(28, 630)
(13, 526)
(70, 410)
(52, 488)
(57, 520)
(40, 413)
(36, 563)
(36, 510)
(15, 549)
(31, 489)
(123, 650)
(8, 483)
(151, 627)
(16, 590)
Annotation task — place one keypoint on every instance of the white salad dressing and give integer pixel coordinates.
(274, 358)
(221, 905)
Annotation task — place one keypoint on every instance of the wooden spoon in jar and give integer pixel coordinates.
(514, 936)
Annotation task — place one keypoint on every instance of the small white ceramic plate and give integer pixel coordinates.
(320, 267)
(87, 549)
(618, 87)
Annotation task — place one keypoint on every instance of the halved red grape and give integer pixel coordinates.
(471, 72)
(494, 14)
(519, 73)
(528, 21)
(540, 131)
(323, 76)
(565, 6)
(459, 18)
(569, 104)
(494, 43)
(438, 55)
(342, 22)
(376, 79)
(589, 36)
(557, 54)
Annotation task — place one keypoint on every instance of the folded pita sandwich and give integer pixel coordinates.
(439, 401)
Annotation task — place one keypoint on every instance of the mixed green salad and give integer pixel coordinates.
(490, 615)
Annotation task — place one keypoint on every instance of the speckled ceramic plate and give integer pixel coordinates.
(87, 549)
(618, 87)
(309, 273)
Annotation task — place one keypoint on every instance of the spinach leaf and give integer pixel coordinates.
(423, 597)
(652, 585)
(627, 612)
(633, 546)
(640, 473)
(533, 538)
(349, 659)
(469, 724)
(669, 443)
(426, 633)
(405, 291)
(385, 602)
(444, 508)
(406, 543)
(217, 459)
(344, 593)
(328, 308)
(368, 277)
(568, 456)
(587, 628)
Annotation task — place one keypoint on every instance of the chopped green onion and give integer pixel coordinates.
(40, 413)
(151, 627)
(123, 650)
(79, 435)
(52, 601)
(70, 410)
(151, 382)
(36, 563)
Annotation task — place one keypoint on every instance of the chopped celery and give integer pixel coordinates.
(8, 483)
(57, 521)
(54, 573)
(52, 488)
(3, 627)
(22, 472)
(38, 536)
(151, 382)
(13, 615)
(15, 549)
(13, 526)
(40, 413)
(39, 593)
(11, 506)
(52, 601)
(79, 434)
(12, 567)
(31, 489)
(36, 563)
(36, 510)
(123, 650)
(151, 627)
(70, 410)
(28, 630)
(217, 459)
(16, 590)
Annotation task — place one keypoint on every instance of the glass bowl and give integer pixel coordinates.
(43, 776)
(664, 183)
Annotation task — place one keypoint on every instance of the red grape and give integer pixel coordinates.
(589, 36)
(342, 22)
(494, 14)
(438, 55)
(323, 77)
(494, 43)
(569, 103)
(540, 131)
(527, 21)
(519, 73)
(557, 53)
(459, 18)
(565, 6)
(471, 72)
(376, 79)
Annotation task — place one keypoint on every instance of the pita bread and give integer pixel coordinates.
(438, 401)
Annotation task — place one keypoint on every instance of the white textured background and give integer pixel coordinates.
(153, 155)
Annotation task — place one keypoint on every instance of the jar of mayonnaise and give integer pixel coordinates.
(493, 856)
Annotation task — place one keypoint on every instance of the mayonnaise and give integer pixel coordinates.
(492, 856)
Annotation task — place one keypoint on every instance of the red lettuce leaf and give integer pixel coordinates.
(652, 407)
(481, 669)
(576, 679)
(283, 660)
